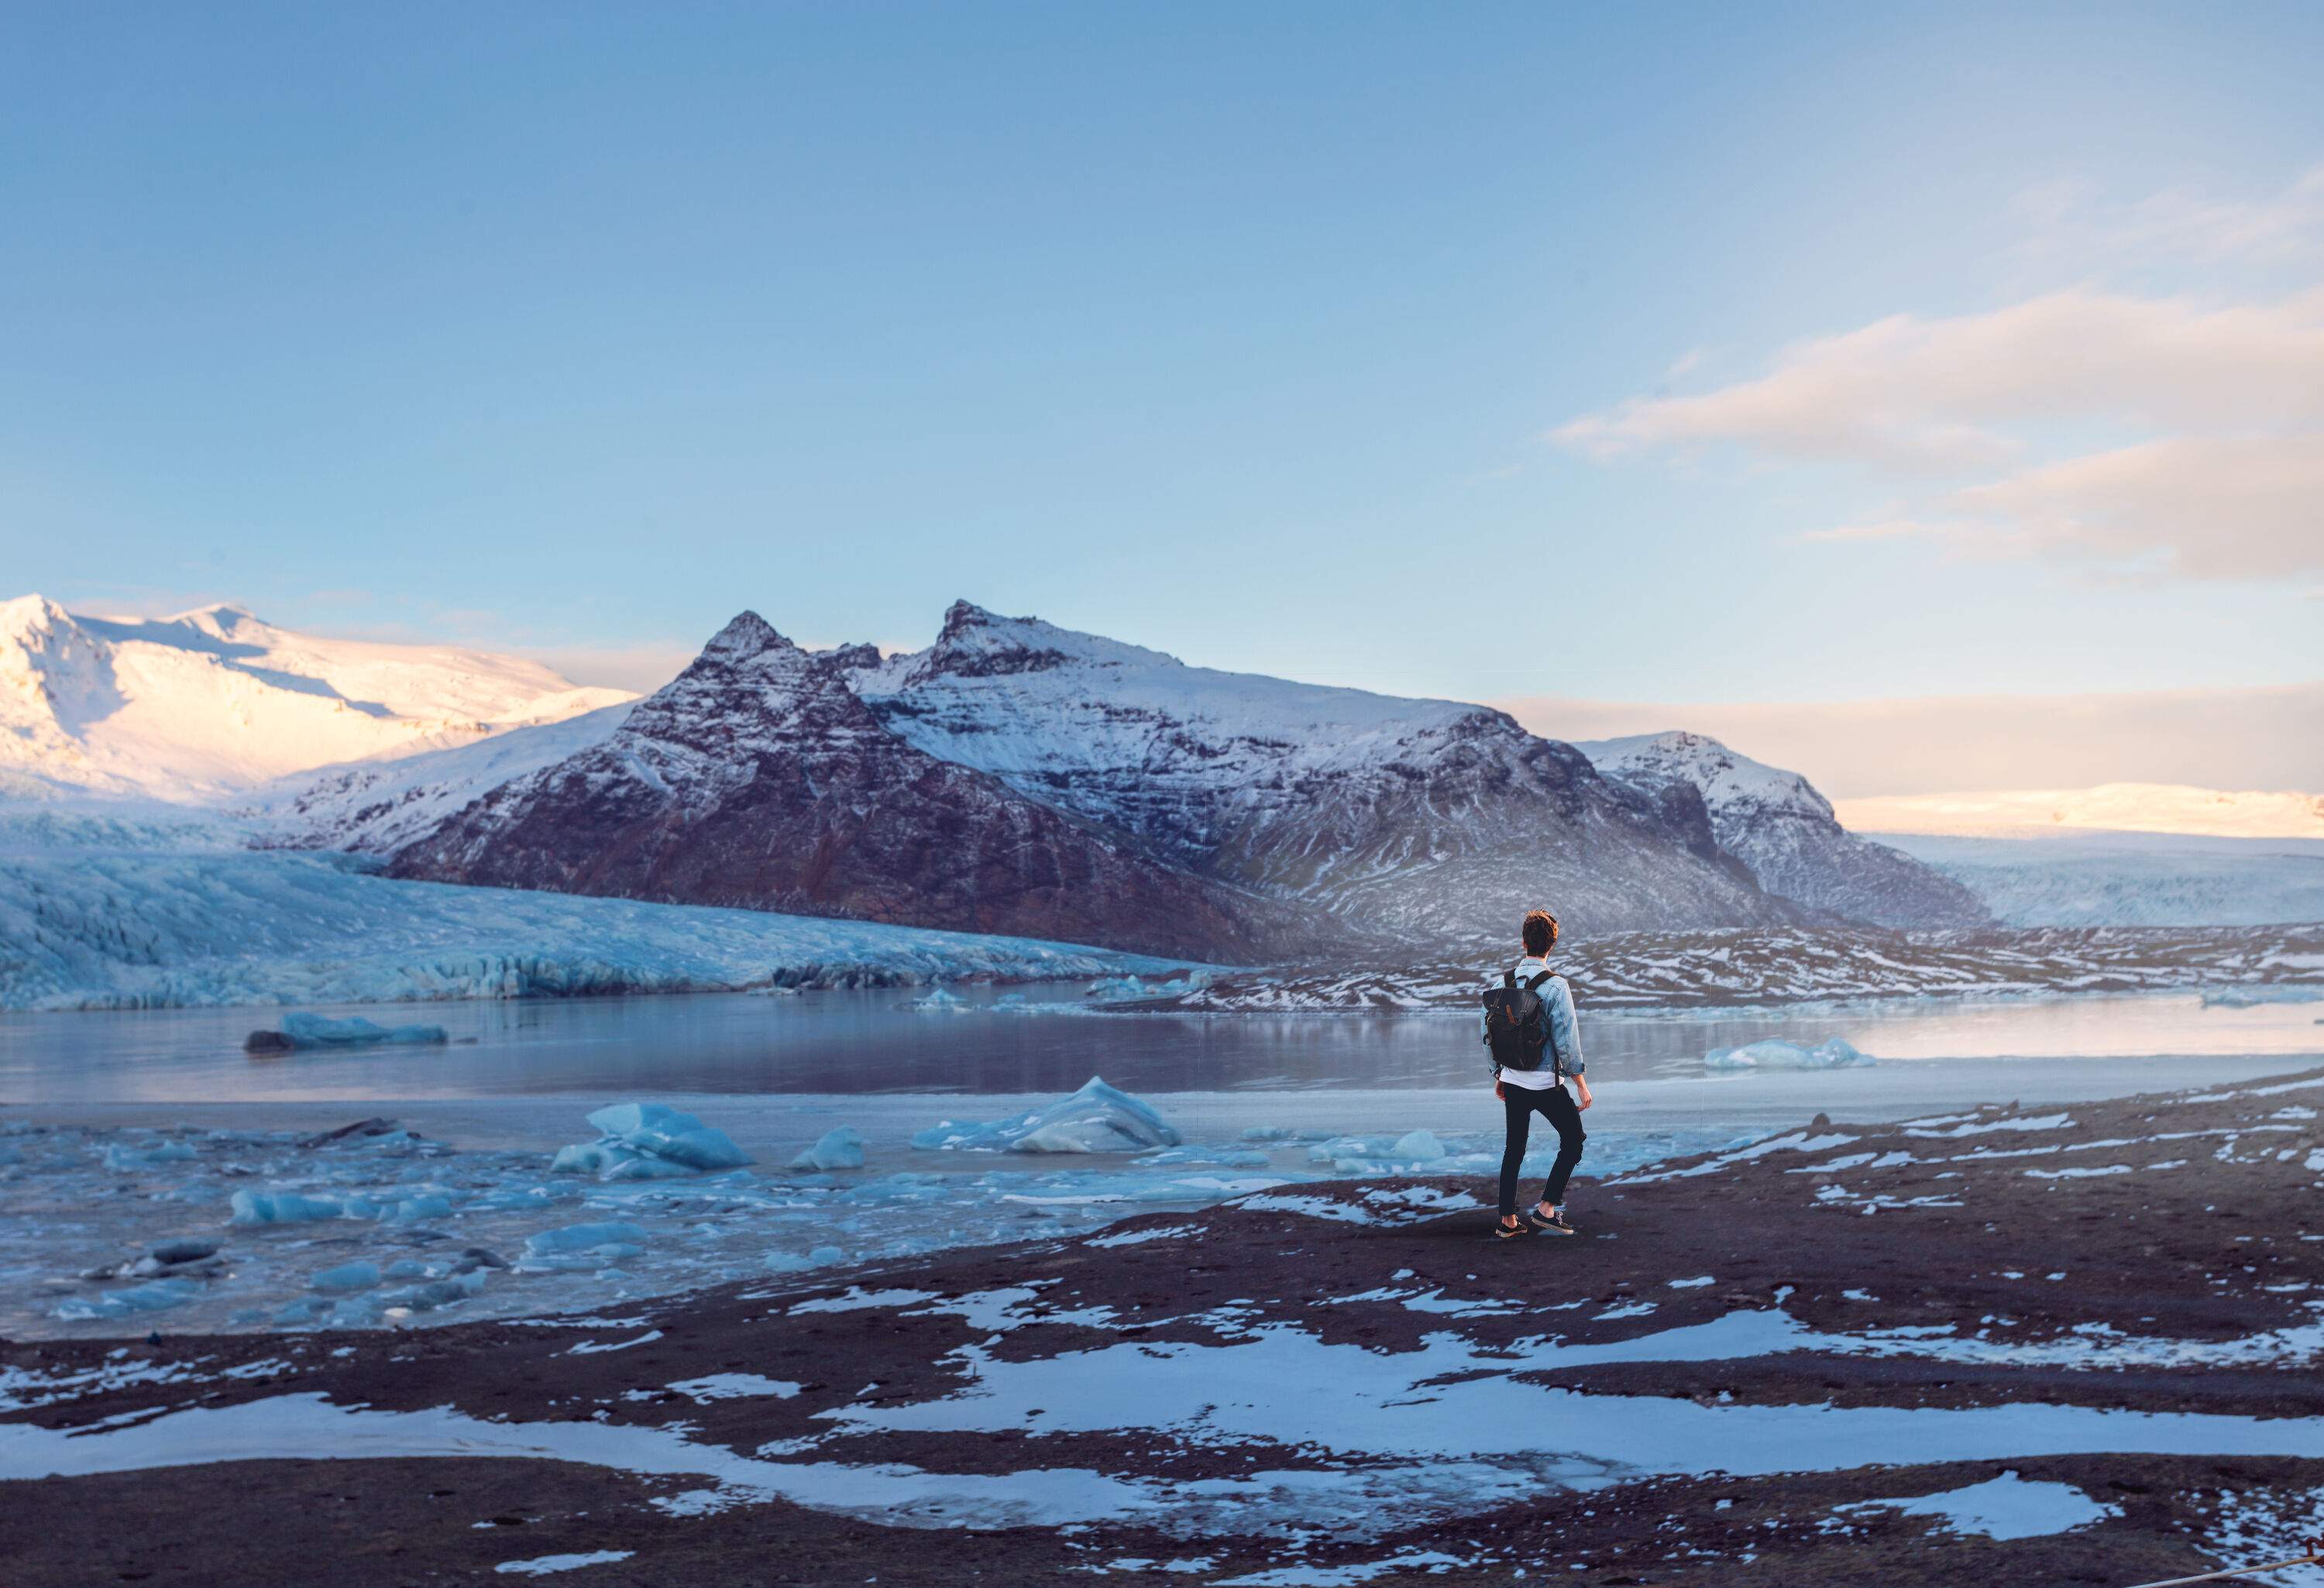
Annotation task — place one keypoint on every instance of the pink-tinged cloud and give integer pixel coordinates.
(2227, 484)
(1944, 393)
(2252, 738)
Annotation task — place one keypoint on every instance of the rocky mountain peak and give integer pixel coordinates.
(746, 635)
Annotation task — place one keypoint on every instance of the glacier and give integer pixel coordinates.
(99, 912)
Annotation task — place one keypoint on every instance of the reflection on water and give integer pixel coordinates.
(876, 1041)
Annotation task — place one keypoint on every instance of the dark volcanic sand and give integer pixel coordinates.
(2224, 1247)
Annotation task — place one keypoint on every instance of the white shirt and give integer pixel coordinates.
(1564, 1029)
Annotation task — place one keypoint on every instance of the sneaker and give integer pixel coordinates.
(1550, 1223)
(1511, 1232)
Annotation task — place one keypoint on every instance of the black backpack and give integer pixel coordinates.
(1517, 1024)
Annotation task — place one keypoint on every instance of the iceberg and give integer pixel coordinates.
(123, 1157)
(157, 1296)
(284, 1207)
(661, 1132)
(584, 1238)
(302, 1031)
(1832, 1054)
(842, 1149)
(1096, 1119)
(647, 1141)
(347, 1276)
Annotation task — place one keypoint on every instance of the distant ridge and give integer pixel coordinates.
(214, 701)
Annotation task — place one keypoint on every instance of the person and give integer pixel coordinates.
(1525, 1093)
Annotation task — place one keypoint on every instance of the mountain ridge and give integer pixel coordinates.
(212, 702)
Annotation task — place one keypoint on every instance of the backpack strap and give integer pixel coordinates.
(1534, 985)
(1509, 978)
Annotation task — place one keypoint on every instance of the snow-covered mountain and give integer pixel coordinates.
(759, 778)
(1424, 820)
(1019, 777)
(213, 701)
(1779, 826)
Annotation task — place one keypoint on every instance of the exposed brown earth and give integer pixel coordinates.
(2185, 1277)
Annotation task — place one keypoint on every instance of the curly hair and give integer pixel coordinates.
(1540, 932)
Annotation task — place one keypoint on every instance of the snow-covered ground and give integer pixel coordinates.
(2088, 879)
(105, 912)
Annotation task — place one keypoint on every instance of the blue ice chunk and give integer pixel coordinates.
(1096, 1119)
(1832, 1054)
(1416, 1147)
(123, 1156)
(157, 1296)
(315, 1030)
(582, 1237)
(639, 1166)
(412, 1210)
(281, 1207)
(840, 1148)
(660, 1131)
(347, 1276)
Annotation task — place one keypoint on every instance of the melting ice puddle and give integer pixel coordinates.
(2007, 1507)
(308, 1427)
(541, 1565)
(736, 1387)
(1281, 1384)
(1456, 1427)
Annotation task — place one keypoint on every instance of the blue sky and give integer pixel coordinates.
(1465, 350)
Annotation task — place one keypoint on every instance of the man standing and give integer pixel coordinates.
(1536, 1047)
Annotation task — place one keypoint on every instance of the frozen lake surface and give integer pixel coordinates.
(888, 1041)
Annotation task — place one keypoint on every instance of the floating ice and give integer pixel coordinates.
(840, 1148)
(303, 1030)
(123, 1156)
(2253, 997)
(939, 1002)
(1096, 1119)
(158, 1297)
(347, 1276)
(1135, 989)
(647, 1141)
(1832, 1054)
(284, 1207)
(584, 1238)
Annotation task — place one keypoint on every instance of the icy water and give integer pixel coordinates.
(870, 1042)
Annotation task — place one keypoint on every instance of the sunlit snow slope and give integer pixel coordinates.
(214, 701)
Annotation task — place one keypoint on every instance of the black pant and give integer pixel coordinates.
(1519, 1103)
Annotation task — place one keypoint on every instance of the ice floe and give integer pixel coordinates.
(1098, 1118)
(646, 1141)
(303, 1030)
(1832, 1054)
(839, 1149)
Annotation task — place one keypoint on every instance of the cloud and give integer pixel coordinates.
(2142, 433)
(1952, 395)
(2068, 223)
(2245, 738)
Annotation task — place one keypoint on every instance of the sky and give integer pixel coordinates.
(1614, 364)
